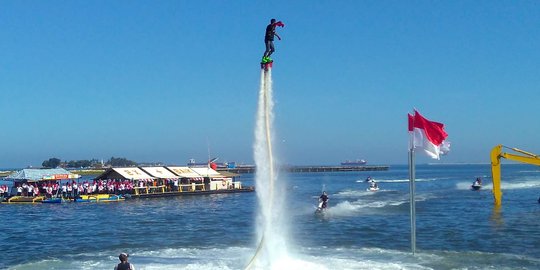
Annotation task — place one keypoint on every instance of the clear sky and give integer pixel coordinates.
(172, 80)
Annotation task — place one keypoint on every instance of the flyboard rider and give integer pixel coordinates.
(269, 40)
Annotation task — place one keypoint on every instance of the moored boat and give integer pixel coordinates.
(25, 199)
(100, 198)
(55, 200)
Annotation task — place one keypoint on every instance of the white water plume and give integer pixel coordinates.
(272, 246)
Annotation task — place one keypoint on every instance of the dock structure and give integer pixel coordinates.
(295, 169)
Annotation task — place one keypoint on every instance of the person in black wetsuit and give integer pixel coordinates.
(269, 39)
(324, 199)
(124, 264)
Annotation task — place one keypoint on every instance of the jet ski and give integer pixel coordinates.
(373, 186)
(477, 185)
(321, 208)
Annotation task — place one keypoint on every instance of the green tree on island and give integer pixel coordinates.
(79, 163)
(51, 163)
(121, 162)
(93, 163)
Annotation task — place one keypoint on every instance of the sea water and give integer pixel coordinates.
(456, 228)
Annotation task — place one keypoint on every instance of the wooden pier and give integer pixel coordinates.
(295, 169)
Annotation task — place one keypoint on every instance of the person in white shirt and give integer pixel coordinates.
(30, 190)
(175, 183)
(69, 190)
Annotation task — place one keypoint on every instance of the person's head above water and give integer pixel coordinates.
(123, 257)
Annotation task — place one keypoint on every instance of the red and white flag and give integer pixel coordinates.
(428, 136)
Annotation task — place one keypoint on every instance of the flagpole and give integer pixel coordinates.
(431, 136)
(412, 201)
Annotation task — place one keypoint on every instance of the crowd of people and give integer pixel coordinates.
(4, 191)
(72, 188)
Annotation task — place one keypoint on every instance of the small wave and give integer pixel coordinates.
(348, 208)
(229, 258)
(465, 186)
(401, 180)
(354, 193)
(311, 258)
(504, 185)
(520, 185)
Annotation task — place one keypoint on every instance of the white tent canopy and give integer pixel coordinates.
(132, 173)
(207, 172)
(159, 172)
(186, 172)
(42, 174)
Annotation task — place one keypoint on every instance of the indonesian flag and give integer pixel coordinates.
(428, 136)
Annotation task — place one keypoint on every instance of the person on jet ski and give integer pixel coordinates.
(477, 183)
(324, 199)
(373, 184)
(369, 179)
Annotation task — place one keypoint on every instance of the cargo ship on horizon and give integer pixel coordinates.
(358, 162)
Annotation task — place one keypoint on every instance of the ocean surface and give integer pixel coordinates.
(456, 228)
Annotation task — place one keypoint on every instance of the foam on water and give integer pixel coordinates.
(465, 185)
(520, 185)
(320, 258)
(505, 184)
(529, 171)
(208, 259)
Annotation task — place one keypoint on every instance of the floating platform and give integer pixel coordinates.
(188, 193)
(24, 199)
(103, 198)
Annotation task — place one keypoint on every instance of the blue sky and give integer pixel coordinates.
(172, 80)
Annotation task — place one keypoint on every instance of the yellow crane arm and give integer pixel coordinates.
(496, 155)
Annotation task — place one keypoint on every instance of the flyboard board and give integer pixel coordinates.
(266, 64)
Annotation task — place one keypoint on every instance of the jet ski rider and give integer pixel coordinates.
(324, 199)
